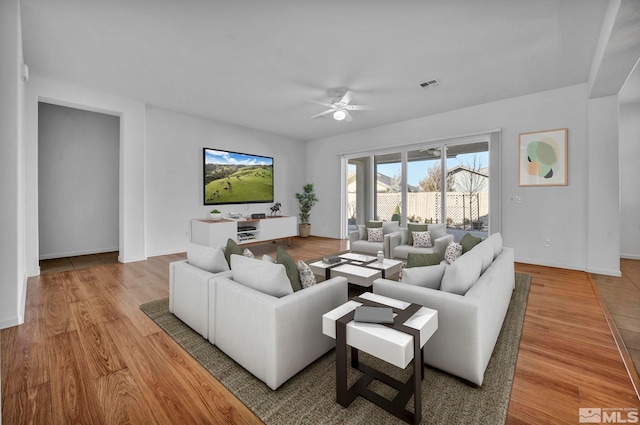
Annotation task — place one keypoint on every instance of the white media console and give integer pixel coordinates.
(215, 233)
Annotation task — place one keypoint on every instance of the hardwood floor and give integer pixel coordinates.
(87, 354)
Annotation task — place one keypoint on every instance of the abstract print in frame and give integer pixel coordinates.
(543, 158)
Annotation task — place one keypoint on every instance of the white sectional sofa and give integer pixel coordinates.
(471, 296)
(253, 315)
(190, 282)
(273, 337)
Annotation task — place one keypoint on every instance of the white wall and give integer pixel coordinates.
(556, 213)
(132, 151)
(603, 196)
(78, 156)
(629, 178)
(173, 172)
(12, 183)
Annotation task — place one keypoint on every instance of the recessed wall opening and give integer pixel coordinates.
(78, 186)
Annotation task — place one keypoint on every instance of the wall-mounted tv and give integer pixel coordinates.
(236, 178)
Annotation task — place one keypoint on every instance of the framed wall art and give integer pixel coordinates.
(543, 158)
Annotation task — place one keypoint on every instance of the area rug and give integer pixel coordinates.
(309, 397)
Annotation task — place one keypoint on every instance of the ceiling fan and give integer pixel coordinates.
(340, 107)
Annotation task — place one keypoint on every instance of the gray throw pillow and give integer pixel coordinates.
(427, 277)
(207, 258)
(283, 257)
(462, 274)
(468, 241)
(263, 276)
(232, 248)
(422, 260)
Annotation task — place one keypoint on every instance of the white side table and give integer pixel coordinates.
(398, 343)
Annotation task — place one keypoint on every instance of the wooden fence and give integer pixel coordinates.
(461, 208)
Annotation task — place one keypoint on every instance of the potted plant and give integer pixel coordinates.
(215, 215)
(306, 200)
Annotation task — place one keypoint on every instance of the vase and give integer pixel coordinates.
(304, 229)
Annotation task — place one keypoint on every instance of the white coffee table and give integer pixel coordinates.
(359, 269)
(397, 344)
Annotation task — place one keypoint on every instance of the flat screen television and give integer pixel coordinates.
(236, 178)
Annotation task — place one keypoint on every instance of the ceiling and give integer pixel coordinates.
(259, 64)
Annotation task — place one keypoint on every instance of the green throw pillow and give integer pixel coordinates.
(468, 241)
(232, 248)
(421, 260)
(371, 225)
(415, 227)
(283, 257)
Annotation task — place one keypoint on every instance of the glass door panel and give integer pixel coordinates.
(467, 197)
(388, 186)
(424, 188)
(357, 191)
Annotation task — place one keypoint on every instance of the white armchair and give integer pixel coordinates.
(399, 247)
(359, 243)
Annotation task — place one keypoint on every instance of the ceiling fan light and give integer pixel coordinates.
(339, 115)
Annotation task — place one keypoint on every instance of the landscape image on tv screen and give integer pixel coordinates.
(236, 178)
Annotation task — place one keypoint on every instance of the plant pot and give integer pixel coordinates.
(215, 216)
(304, 229)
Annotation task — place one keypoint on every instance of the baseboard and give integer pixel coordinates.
(551, 264)
(77, 253)
(630, 256)
(10, 323)
(606, 272)
(131, 260)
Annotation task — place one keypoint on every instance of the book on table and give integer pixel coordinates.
(373, 314)
(333, 259)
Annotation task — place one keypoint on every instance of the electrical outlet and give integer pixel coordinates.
(547, 243)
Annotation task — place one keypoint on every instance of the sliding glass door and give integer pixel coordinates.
(446, 182)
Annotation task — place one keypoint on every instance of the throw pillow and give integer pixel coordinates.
(427, 277)
(422, 260)
(283, 257)
(468, 241)
(415, 227)
(307, 278)
(375, 235)
(232, 248)
(268, 258)
(248, 253)
(263, 276)
(206, 258)
(371, 225)
(421, 239)
(461, 275)
(453, 252)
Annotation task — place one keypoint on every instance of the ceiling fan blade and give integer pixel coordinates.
(348, 118)
(328, 105)
(346, 98)
(358, 108)
(322, 114)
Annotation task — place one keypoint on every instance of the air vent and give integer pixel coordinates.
(431, 83)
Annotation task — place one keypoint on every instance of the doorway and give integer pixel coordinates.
(78, 182)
